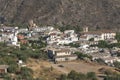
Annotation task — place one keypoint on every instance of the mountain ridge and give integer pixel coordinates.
(92, 13)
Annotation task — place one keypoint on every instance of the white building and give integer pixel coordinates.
(110, 60)
(23, 30)
(61, 55)
(62, 38)
(98, 35)
(9, 35)
(42, 29)
(53, 38)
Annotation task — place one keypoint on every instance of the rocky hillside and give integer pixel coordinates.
(92, 13)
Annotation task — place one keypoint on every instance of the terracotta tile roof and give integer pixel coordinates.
(20, 37)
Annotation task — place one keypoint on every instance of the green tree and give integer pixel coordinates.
(91, 76)
(102, 44)
(91, 39)
(12, 68)
(74, 45)
(82, 56)
(81, 76)
(63, 77)
(19, 77)
(76, 76)
(72, 75)
(69, 27)
(117, 37)
(23, 57)
(112, 77)
(7, 77)
(117, 64)
(26, 73)
(23, 47)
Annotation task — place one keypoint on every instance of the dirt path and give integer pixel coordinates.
(78, 67)
(40, 67)
(61, 69)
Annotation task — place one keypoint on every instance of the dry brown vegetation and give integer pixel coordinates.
(43, 69)
(50, 71)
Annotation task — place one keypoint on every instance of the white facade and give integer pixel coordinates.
(69, 31)
(62, 38)
(105, 36)
(62, 54)
(110, 60)
(70, 58)
(42, 29)
(101, 35)
(23, 30)
(9, 35)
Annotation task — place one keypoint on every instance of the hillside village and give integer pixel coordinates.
(57, 41)
(64, 46)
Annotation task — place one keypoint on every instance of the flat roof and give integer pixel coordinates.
(3, 66)
(99, 32)
(73, 55)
